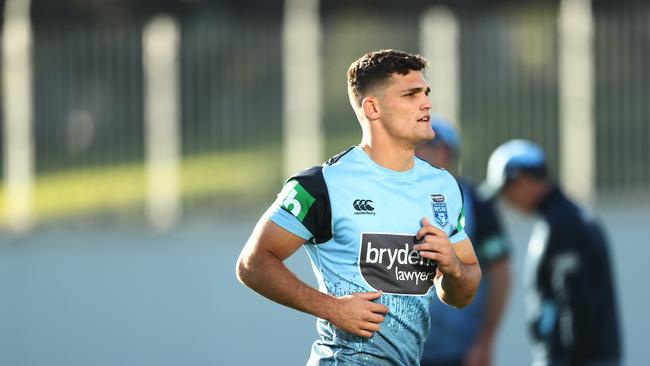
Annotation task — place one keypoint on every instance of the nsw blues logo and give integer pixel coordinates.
(439, 209)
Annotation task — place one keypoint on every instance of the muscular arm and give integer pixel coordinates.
(261, 267)
(458, 274)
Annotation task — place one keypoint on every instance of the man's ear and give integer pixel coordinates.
(370, 108)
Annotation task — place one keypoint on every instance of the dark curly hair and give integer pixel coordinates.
(376, 67)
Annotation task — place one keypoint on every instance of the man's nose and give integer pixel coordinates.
(427, 103)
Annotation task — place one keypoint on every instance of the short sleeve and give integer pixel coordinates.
(289, 222)
(303, 208)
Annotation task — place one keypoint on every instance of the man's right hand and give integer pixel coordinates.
(358, 314)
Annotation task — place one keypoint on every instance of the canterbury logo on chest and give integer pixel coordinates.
(363, 207)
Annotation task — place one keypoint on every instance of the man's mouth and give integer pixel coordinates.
(426, 118)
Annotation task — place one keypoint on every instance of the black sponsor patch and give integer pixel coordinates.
(389, 263)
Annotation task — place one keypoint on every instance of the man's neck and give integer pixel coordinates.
(389, 156)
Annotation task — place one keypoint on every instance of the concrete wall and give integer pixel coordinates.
(131, 297)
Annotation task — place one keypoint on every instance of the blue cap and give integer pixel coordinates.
(445, 133)
(507, 161)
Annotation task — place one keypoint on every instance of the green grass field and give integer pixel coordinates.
(116, 187)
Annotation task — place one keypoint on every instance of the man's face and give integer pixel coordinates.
(522, 193)
(404, 107)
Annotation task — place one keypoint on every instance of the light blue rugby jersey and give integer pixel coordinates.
(359, 220)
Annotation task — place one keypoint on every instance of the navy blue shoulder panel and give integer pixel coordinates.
(318, 219)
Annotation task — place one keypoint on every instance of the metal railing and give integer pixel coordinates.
(89, 134)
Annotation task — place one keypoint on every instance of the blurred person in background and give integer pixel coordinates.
(381, 228)
(571, 301)
(465, 337)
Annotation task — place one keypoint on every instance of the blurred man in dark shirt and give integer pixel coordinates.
(571, 302)
(465, 337)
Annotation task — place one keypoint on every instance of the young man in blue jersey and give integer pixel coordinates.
(383, 230)
(571, 307)
(465, 337)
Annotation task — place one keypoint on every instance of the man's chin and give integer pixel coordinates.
(424, 140)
